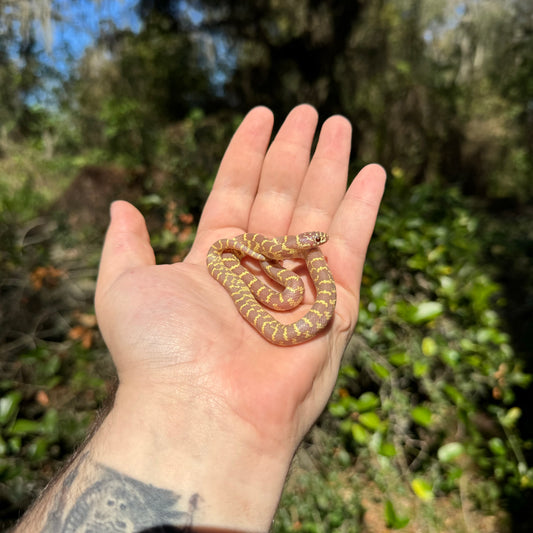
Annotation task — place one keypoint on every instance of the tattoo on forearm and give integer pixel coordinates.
(115, 502)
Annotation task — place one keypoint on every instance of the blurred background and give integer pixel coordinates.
(430, 427)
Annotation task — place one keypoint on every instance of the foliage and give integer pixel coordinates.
(319, 496)
(432, 87)
(49, 351)
(132, 85)
(37, 429)
(428, 384)
(189, 177)
(23, 73)
(419, 79)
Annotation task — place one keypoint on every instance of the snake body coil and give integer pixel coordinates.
(250, 295)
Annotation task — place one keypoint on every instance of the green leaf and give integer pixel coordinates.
(455, 396)
(380, 371)
(422, 489)
(448, 286)
(343, 457)
(399, 359)
(420, 368)
(23, 426)
(50, 422)
(3, 447)
(51, 366)
(419, 313)
(417, 262)
(487, 335)
(392, 520)
(337, 410)
(14, 444)
(427, 311)
(345, 426)
(9, 406)
(511, 417)
(370, 420)
(421, 415)
(496, 446)
(450, 357)
(454, 474)
(467, 345)
(151, 200)
(366, 402)
(38, 448)
(429, 347)
(310, 527)
(380, 289)
(349, 371)
(387, 449)
(360, 434)
(402, 66)
(450, 451)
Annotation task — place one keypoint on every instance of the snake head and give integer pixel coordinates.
(311, 239)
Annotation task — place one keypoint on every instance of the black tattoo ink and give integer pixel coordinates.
(167, 529)
(117, 503)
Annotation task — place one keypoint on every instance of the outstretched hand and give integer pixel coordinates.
(173, 327)
(179, 344)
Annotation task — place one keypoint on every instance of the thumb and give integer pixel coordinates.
(126, 246)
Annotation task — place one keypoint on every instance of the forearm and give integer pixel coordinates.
(138, 473)
(94, 496)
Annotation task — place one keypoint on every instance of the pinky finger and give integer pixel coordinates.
(352, 226)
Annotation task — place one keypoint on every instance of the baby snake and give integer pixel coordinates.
(248, 292)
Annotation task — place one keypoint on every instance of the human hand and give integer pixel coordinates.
(191, 369)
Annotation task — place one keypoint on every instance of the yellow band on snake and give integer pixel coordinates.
(250, 294)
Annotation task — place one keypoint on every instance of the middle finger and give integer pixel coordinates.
(283, 171)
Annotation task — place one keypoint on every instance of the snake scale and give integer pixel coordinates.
(251, 295)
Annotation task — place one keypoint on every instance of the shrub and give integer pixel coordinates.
(428, 382)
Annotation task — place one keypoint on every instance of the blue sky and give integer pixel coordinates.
(80, 23)
(77, 28)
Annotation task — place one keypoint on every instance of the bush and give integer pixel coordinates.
(428, 383)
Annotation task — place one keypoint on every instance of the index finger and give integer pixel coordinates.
(235, 186)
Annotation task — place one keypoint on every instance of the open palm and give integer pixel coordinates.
(174, 331)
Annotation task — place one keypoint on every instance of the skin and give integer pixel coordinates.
(206, 410)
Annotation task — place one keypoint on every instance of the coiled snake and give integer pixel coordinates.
(248, 292)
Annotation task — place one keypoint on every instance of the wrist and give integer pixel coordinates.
(229, 478)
